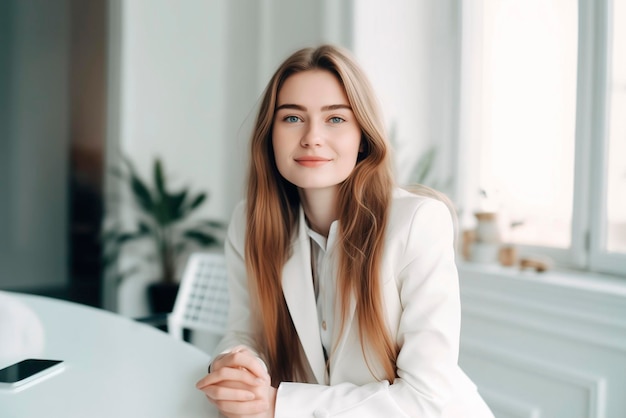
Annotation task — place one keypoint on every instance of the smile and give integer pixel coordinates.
(311, 161)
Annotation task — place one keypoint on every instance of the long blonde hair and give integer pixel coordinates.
(272, 213)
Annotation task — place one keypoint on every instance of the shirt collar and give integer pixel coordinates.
(323, 242)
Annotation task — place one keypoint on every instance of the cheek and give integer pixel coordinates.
(280, 153)
(353, 146)
(350, 154)
(278, 140)
(275, 140)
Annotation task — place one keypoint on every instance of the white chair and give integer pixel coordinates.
(202, 300)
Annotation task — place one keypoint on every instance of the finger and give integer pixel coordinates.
(240, 348)
(230, 374)
(218, 360)
(238, 374)
(217, 393)
(247, 360)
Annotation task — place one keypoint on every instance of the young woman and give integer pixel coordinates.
(344, 291)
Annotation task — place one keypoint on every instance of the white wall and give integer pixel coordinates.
(171, 92)
(410, 51)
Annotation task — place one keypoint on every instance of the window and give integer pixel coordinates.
(543, 110)
(608, 243)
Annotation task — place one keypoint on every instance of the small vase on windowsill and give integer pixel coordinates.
(486, 246)
(508, 255)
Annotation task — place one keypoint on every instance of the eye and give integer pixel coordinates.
(336, 119)
(291, 119)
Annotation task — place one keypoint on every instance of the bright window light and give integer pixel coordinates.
(529, 115)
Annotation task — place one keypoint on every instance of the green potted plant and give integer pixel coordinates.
(163, 219)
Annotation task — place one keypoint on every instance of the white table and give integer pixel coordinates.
(114, 367)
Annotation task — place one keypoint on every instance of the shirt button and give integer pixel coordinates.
(324, 325)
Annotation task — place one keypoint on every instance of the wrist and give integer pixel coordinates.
(272, 400)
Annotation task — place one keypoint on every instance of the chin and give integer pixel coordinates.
(317, 186)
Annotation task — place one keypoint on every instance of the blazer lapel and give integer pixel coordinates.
(297, 282)
(343, 338)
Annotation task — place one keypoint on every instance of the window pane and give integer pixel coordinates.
(616, 191)
(529, 112)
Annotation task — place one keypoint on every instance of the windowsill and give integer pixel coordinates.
(573, 279)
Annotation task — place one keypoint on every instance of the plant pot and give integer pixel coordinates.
(161, 297)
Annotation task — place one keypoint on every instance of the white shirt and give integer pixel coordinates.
(324, 266)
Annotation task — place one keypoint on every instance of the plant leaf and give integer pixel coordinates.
(176, 207)
(196, 202)
(200, 237)
(159, 180)
(141, 192)
(166, 211)
(144, 228)
(161, 211)
(212, 224)
(130, 236)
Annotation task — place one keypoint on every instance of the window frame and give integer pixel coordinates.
(600, 13)
(588, 227)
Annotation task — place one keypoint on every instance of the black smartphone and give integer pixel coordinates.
(28, 371)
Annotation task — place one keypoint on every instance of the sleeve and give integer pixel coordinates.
(428, 335)
(240, 322)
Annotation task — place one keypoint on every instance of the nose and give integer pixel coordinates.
(312, 136)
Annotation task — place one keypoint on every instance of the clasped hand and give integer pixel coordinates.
(239, 386)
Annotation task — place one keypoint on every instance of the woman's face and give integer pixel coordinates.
(316, 137)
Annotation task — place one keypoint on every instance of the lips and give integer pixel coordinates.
(311, 161)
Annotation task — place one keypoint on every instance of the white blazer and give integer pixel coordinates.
(421, 297)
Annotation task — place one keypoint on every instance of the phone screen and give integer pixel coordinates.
(25, 369)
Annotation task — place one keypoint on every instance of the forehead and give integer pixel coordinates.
(316, 87)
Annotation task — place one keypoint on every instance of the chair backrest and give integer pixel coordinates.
(202, 300)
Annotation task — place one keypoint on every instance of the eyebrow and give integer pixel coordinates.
(304, 109)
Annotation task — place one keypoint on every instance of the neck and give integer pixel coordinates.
(320, 208)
